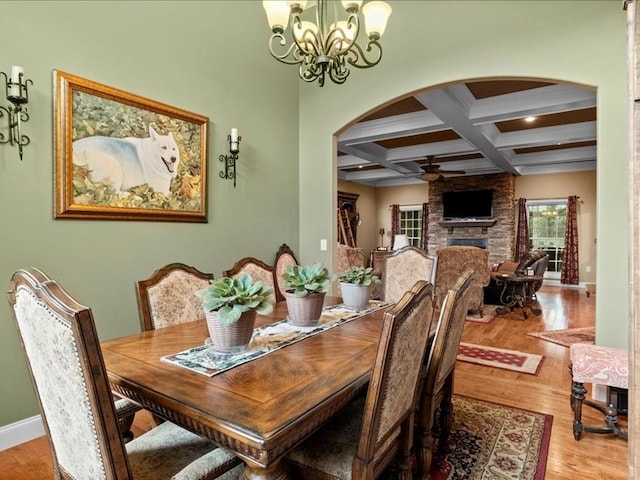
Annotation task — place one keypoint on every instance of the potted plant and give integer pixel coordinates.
(231, 305)
(355, 286)
(306, 287)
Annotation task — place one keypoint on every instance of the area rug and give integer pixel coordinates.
(568, 336)
(491, 441)
(489, 314)
(500, 358)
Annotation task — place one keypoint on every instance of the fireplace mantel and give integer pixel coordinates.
(451, 224)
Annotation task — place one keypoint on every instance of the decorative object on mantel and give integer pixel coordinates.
(16, 87)
(355, 286)
(320, 48)
(231, 305)
(307, 285)
(230, 160)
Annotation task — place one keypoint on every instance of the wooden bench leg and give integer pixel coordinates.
(577, 398)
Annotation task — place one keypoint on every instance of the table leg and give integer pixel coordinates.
(275, 471)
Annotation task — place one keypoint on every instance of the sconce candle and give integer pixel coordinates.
(230, 160)
(14, 81)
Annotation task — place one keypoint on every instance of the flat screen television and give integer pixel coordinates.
(467, 205)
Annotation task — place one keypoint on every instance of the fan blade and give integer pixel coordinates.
(452, 172)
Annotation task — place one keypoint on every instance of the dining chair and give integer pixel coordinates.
(284, 259)
(62, 349)
(254, 267)
(125, 409)
(436, 390)
(361, 441)
(403, 268)
(168, 296)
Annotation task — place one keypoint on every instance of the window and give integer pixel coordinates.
(547, 221)
(411, 224)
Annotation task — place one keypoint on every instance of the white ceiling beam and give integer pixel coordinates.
(535, 137)
(442, 103)
(533, 102)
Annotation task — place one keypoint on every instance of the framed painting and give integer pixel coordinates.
(120, 156)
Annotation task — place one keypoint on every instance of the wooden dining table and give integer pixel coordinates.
(260, 409)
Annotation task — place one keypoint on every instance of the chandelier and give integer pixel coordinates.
(320, 49)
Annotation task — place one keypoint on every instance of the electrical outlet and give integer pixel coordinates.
(587, 268)
(323, 244)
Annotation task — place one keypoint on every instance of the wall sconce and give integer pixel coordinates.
(230, 160)
(17, 93)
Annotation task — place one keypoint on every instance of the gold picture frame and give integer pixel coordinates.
(120, 156)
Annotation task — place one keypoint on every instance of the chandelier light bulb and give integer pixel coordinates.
(350, 5)
(306, 35)
(376, 15)
(343, 36)
(277, 14)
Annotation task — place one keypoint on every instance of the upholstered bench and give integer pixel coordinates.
(602, 366)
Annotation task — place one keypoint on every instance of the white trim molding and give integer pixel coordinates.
(20, 432)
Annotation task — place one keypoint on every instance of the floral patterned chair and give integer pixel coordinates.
(284, 259)
(453, 261)
(168, 296)
(362, 439)
(437, 390)
(402, 269)
(63, 353)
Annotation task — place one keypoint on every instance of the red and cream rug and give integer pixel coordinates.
(491, 441)
(568, 336)
(500, 358)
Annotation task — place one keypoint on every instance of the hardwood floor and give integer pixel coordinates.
(593, 457)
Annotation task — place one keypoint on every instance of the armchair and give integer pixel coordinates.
(453, 261)
(535, 259)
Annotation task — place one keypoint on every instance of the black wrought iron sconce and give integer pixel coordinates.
(17, 93)
(230, 160)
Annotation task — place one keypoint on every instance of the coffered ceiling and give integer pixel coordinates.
(485, 127)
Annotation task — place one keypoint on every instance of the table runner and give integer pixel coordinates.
(266, 339)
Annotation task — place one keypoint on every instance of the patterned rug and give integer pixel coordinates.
(491, 441)
(568, 336)
(488, 315)
(498, 357)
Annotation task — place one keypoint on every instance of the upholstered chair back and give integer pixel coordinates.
(391, 397)
(284, 259)
(168, 296)
(437, 389)
(453, 261)
(404, 268)
(258, 270)
(68, 373)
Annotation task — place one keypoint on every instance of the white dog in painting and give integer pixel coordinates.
(130, 161)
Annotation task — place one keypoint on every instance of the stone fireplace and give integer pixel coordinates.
(496, 235)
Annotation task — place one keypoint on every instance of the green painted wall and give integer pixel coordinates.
(190, 55)
(431, 43)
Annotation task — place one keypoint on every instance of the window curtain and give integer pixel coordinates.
(425, 227)
(570, 274)
(522, 237)
(395, 222)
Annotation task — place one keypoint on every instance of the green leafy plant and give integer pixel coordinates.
(230, 297)
(306, 279)
(359, 276)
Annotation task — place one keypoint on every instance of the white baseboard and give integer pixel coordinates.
(20, 432)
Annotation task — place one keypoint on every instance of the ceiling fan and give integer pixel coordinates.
(432, 172)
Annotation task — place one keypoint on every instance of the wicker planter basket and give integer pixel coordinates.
(355, 297)
(233, 338)
(305, 311)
